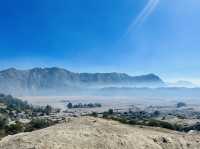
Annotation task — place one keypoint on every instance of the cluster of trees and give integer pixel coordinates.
(163, 124)
(80, 105)
(14, 103)
(143, 121)
(38, 123)
(149, 122)
(14, 108)
(18, 127)
(47, 110)
(108, 113)
(35, 124)
(193, 127)
(19, 105)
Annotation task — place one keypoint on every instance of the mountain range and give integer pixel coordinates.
(21, 81)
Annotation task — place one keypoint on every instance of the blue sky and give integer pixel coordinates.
(131, 36)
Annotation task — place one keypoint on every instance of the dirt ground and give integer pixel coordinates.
(93, 133)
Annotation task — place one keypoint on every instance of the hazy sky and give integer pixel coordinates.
(132, 36)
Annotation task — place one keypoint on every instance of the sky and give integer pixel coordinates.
(130, 36)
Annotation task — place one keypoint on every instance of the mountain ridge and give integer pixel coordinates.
(58, 78)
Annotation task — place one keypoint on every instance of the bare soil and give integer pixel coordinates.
(94, 133)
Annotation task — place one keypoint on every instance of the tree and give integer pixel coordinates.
(69, 105)
(156, 113)
(105, 114)
(48, 109)
(94, 114)
(98, 105)
(181, 104)
(110, 111)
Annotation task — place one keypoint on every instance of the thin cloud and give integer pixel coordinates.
(143, 15)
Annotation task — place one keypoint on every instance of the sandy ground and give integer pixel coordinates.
(92, 133)
(106, 101)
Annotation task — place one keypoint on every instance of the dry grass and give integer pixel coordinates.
(92, 133)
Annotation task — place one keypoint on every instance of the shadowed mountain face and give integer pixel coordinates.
(13, 80)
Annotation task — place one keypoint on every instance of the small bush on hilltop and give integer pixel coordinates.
(38, 124)
(14, 128)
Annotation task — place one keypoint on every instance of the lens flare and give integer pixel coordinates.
(143, 15)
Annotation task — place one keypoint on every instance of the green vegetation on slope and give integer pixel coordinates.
(13, 110)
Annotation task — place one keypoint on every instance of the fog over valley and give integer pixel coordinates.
(42, 86)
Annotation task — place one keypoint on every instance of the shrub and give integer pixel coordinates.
(69, 105)
(38, 124)
(133, 122)
(94, 114)
(14, 128)
(181, 104)
(48, 109)
(110, 111)
(162, 124)
(3, 122)
(105, 114)
(156, 113)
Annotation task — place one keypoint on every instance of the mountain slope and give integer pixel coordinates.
(92, 133)
(13, 80)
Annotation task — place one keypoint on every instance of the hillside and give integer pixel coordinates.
(15, 81)
(91, 133)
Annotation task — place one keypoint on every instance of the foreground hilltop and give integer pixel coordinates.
(92, 133)
(14, 81)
